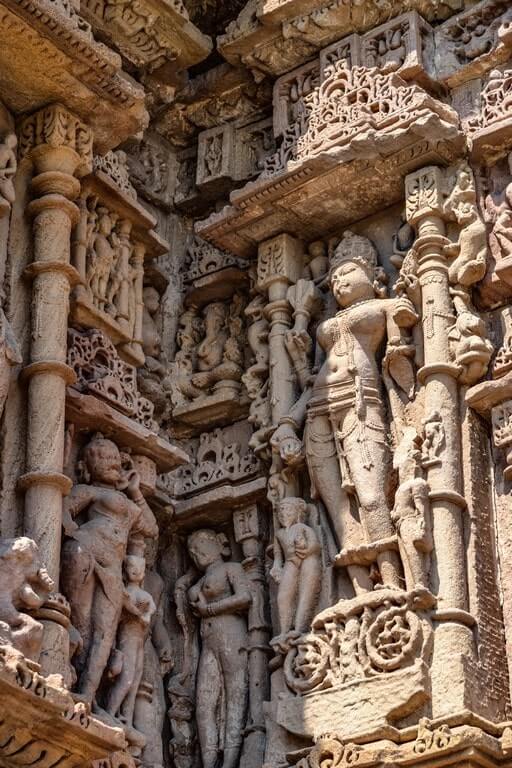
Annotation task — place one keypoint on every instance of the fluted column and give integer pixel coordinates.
(248, 524)
(59, 147)
(280, 263)
(439, 377)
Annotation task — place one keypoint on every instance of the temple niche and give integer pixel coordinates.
(255, 384)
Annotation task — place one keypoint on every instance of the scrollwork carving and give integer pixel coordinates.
(99, 370)
(356, 640)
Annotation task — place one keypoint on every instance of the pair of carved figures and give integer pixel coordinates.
(220, 599)
(111, 273)
(210, 358)
(106, 520)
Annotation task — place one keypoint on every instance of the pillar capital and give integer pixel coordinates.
(280, 263)
(424, 194)
(56, 140)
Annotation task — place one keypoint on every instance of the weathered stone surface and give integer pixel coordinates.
(255, 383)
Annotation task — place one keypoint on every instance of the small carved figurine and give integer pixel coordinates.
(297, 570)
(8, 166)
(138, 610)
(411, 515)
(101, 259)
(471, 248)
(10, 356)
(152, 376)
(433, 440)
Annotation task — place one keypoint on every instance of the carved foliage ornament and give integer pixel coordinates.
(100, 371)
(216, 461)
(57, 127)
(203, 258)
(114, 165)
(496, 101)
(384, 633)
(348, 103)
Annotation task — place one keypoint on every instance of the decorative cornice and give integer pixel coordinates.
(149, 33)
(273, 36)
(67, 66)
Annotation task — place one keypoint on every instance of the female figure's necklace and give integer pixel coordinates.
(352, 306)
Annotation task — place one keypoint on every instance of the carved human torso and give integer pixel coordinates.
(220, 582)
(291, 538)
(351, 340)
(111, 517)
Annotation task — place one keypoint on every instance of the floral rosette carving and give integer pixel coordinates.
(373, 634)
(307, 663)
(328, 752)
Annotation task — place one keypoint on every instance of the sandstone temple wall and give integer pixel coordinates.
(255, 383)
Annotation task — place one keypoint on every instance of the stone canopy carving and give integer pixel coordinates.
(350, 101)
(342, 116)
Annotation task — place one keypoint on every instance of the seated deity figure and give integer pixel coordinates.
(221, 598)
(112, 513)
(342, 406)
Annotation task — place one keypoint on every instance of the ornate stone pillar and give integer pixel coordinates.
(280, 262)
(439, 375)
(59, 147)
(247, 525)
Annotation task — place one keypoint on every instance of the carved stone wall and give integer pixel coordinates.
(255, 383)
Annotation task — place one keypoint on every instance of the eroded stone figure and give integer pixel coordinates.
(470, 250)
(150, 710)
(297, 569)
(24, 586)
(346, 428)
(8, 166)
(112, 514)
(502, 229)
(151, 377)
(211, 349)
(102, 258)
(221, 598)
(411, 514)
(134, 624)
(188, 336)
(10, 356)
